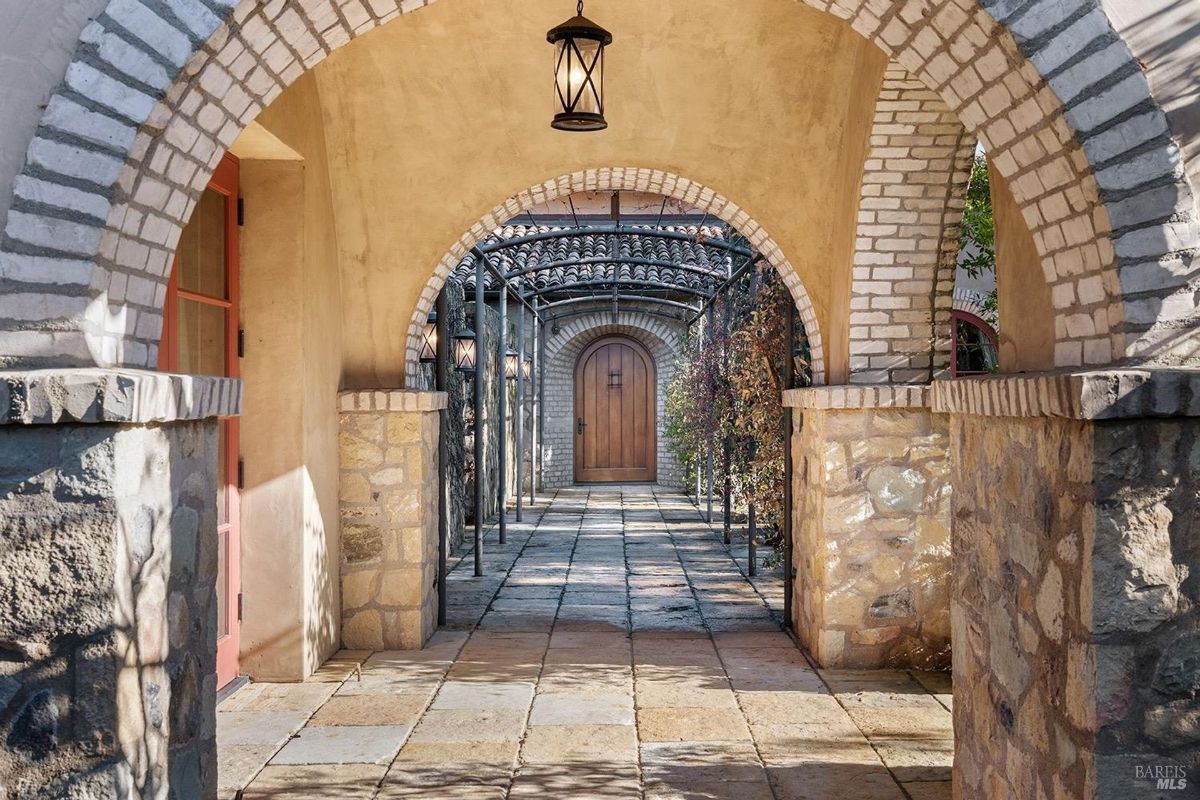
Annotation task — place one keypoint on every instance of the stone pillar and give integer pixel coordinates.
(1076, 597)
(871, 527)
(108, 561)
(388, 446)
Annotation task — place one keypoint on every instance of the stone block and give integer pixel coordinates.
(871, 523)
(389, 509)
(1068, 593)
(110, 553)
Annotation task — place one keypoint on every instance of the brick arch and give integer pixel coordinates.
(652, 181)
(910, 210)
(664, 341)
(158, 89)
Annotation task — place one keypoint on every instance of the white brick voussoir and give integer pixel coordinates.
(605, 179)
(1003, 69)
(917, 142)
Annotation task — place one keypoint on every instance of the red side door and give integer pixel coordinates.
(200, 337)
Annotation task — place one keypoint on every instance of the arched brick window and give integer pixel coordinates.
(976, 348)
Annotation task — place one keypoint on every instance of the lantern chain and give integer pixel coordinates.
(579, 8)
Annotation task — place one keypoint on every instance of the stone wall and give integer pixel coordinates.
(871, 527)
(389, 513)
(108, 606)
(1076, 602)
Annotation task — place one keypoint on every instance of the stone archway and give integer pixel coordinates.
(128, 142)
(653, 181)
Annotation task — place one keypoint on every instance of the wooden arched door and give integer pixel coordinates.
(616, 428)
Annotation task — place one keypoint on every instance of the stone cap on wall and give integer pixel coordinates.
(1099, 394)
(832, 398)
(391, 400)
(121, 396)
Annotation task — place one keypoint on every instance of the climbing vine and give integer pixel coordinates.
(728, 389)
(978, 245)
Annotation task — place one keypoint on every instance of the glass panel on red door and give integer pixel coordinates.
(202, 334)
(200, 259)
(200, 327)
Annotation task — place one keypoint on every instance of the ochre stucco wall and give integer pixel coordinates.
(338, 245)
(292, 368)
(1023, 297)
(416, 157)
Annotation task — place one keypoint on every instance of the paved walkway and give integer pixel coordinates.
(614, 650)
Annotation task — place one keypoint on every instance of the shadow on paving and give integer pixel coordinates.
(613, 650)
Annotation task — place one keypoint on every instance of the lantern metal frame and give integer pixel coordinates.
(429, 340)
(510, 364)
(466, 355)
(571, 63)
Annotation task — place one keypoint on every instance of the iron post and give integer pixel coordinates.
(789, 380)
(752, 536)
(708, 462)
(541, 393)
(535, 457)
(726, 445)
(519, 477)
(442, 384)
(480, 361)
(502, 414)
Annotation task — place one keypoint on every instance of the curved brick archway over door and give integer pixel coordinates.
(159, 88)
(631, 179)
(664, 341)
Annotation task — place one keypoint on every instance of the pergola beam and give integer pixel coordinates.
(592, 298)
(630, 260)
(619, 230)
(608, 284)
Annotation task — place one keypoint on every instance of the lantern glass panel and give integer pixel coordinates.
(580, 75)
(510, 365)
(429, 343)
(464, 352)
(527, 368)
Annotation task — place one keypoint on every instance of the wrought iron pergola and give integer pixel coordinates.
(554, 268)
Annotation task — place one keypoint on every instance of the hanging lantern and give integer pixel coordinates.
(429, 340)
(464, 351)
(579, 73)
(511, 364)
(527, 368)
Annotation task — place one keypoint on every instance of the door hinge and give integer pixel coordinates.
(241, 212)
(241, 343)
(241, 473)
(241, 606)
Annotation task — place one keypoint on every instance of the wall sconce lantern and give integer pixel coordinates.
(464, 351)
(527, 368)
(510, 364)
(429, 340)
(579, 73)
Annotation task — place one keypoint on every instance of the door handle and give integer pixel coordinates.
(580, 425)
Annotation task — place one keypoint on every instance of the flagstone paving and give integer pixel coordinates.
(614, 649)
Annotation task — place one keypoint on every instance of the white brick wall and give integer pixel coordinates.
(913, 192)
